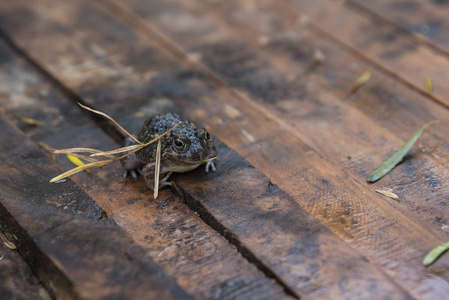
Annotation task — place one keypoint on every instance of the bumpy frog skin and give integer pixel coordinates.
(183, 149)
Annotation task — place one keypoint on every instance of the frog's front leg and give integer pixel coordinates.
(148, 174)
(130, 163)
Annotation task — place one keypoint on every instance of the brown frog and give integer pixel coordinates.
(183, 149)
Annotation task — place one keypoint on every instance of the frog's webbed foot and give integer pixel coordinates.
(134, 173)
(210, 164)
(164, 181)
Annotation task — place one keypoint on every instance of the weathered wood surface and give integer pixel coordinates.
(199, 258)
(253, 75)
(64, 236)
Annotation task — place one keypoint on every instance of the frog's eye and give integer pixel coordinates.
(206, 136)
(179, 145)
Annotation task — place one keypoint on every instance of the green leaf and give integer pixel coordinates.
(397, 157)
(435, 253)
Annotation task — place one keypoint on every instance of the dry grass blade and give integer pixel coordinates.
(157, 169)
(73, 151)
(388, 194)
(1, 258)
(49, 149)
(7, 243)
(116, 151)
(150, 142)
(111, 119)
(359, 82)
(93, 165)
(99, 164)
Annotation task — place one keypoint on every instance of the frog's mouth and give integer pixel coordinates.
(189, 164)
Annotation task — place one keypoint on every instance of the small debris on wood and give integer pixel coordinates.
(20, 118)
(388, 194)
(1, 258)
(7, 243)
(435, 253)
(359, 82)
(389, 165)
(429, 86)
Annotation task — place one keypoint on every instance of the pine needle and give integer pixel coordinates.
(111, 119)
(157, 169)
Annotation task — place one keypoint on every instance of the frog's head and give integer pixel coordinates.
(187, 145)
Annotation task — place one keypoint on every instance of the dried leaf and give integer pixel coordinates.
(157, 169)
(429, 86)
(389, 165)
(434, 254)
(388, 194)
(111, 119)
(84, 157)
(359, 82)
(7, 243)
(93, 165)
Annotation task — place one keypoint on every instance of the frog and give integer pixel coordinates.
(183, 149)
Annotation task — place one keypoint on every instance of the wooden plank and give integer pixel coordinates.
(198, 257)
(426, 19)
(185, 85)
(185, 36)
(18, 282)
(380, 44)
(354, 133)
(62, 233)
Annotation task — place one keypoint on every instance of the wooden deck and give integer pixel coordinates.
(289, 213)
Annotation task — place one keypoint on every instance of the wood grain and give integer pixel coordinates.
(63, 235)
(335, 253)
(199, 258)
(382, 44)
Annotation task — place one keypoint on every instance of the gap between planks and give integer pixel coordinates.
(110, 129)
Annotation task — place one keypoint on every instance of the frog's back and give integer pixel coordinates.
(157, 125)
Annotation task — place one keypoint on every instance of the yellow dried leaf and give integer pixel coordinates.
(388, 194)
(76, 161)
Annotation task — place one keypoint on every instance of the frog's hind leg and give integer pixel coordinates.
(148, 174)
